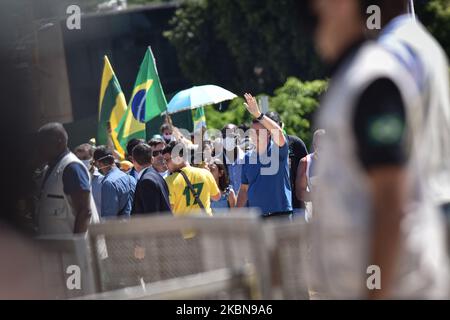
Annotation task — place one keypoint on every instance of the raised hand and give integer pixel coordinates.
(252, 105)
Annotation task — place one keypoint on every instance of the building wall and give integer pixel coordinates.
(124, 37)
(50, 75)
(37, 52)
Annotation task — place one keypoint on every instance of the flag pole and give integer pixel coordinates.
(412, 10)
(168, 119)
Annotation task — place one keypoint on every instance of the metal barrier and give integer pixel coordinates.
(121, 256)
(62, 257)
(448, 234)
(141, 250)
(220, 284)
(235, 256)
(286, 243)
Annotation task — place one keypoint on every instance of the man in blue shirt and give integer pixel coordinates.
(265, 174)
(297, 151)
(117, 187)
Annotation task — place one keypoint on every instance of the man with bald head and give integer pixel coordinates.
(65, 202)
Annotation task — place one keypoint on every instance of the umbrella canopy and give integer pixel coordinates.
(197, 97)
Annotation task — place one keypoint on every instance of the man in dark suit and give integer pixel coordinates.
(152, 194)
(129, 156)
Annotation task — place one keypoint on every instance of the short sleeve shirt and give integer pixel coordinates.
(268, 179)
(75, 178)
(181, 198)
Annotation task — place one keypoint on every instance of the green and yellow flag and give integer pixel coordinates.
(199, 118)
(147, 101)
(112, 106)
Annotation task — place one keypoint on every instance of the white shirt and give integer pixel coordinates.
(140, 173)
(164, 174)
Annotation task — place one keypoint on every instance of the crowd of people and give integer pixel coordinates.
(172, 173)
(374, 186)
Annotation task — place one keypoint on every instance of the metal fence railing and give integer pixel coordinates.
(66, 266)
(222, 284)
(235, 256)
(147, 250)
(287, 245)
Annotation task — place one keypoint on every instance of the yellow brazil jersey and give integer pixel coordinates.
(181, 198)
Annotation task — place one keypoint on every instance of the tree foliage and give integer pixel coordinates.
(255, 45)
(248, 45)
(435, 14)
(203, 57)
(296, 102)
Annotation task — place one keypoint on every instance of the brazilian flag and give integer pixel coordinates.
(199, 118)
(147, 102)
(112, 106)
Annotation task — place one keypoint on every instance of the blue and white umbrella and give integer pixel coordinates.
(197, 97)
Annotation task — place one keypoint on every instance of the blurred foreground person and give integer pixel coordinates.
(375, 234)
(21, 276)
(409, 41)
(65, 203)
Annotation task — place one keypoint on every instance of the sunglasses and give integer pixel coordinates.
(156, 153)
